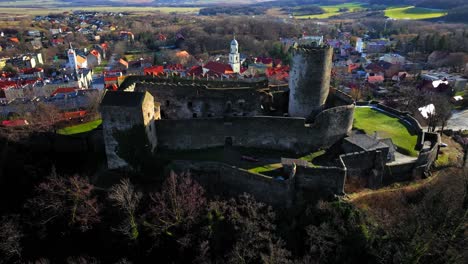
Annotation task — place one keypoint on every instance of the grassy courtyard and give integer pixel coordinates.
(371, 120)
(411, 12)
(81, 128)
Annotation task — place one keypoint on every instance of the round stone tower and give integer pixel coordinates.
(309, 80)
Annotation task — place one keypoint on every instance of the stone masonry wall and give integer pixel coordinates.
(280, 133)
(229, 181)
(224, 180)
(185, 101)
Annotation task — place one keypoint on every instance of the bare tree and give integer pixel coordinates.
(10, 239)
(46, 116)
(65, 200)
(177, 206)
(442, 112)
(124, 197)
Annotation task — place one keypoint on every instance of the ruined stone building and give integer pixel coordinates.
(201, 114)
(122, 111)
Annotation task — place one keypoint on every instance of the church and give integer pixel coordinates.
(219, 69)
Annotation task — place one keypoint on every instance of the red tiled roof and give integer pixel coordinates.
(123, 62)
(264, 60)
(75, 114)
(375, 79)
(14, 123)
(218, 67)
(95, 53)
(155, 70)
(31, 70)
(195, 70)
(63, 90)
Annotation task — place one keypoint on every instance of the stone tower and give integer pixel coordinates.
(309, 80)
(234, 57)
(122, 111)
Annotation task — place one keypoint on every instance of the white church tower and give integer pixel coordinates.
(72, 59)
(234, 57)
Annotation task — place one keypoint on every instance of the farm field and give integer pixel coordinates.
(371, 120)
(332, 10)
(411, 12)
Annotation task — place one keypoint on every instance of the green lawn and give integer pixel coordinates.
(266, 168)
(411, 12)
(81, 128)
(371, 120)
(332, 10)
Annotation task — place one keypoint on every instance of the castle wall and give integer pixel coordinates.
(331, 179)
(365, 167)
(224, 180)
(309, 80)
(230, 181)
(279, 133)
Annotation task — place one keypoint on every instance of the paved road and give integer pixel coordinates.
(459, 120)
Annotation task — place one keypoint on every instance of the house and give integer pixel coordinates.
(375, 79)
(93, 58)
(31, 73)
(217, 68)
(81, 61)
(393, 58)
(57, 42)
(373, 47)
(437, 86)
(15, 123)
(63, 91)
(363, 142)
(154, 70)
(55, 31)
(379, 67)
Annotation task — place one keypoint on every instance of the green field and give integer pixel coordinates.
(411, 12)
(81, 128)
(371, 120)
(332, 10)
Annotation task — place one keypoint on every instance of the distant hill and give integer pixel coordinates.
(84, 3)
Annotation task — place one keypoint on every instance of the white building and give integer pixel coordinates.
(72, 59)
(234, 56)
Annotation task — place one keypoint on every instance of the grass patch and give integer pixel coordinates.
(371, 120)
(411, 12)
(310, 158)
(81, 128)
(266, 168)
(460, 93)
(333, 10)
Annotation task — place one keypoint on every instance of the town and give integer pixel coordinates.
(259, 134)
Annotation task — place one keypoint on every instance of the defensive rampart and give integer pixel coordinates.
(279, 133)
(230, 181)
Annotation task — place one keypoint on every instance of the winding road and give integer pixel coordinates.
(459, 120)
